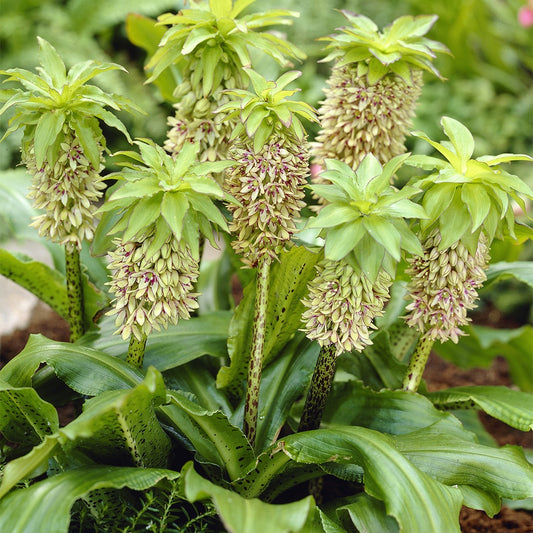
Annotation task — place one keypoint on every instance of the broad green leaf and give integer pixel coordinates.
(240, 515)
(198, 378)
(521, 270)
(453, 460)
(115, 426)
(389, 411)
(368, 514)
(85, 370)
(212, 435)
(388, 475)
(45, 506)
(175, 346)
(25, 417)
(513, 407)
(48, 284)
(288, 285)
(333, 215)
(121, 425)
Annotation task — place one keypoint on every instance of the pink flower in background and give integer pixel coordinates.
(525, 15)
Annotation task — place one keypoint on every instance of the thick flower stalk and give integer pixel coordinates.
(163, 206)
(468, 202)
(62, 148)
(365, 231)
(210, 45)
(373, 88)
(267, 181)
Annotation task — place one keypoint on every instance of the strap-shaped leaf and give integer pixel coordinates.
(513, 407)
(394, 412)
(48, 284)
(84, 370)
(288, 285)
(457, 461)
(46, 505)
(117, 425)
(520, 270)
(25, 417)
(240, 515)
(173, 347)
(388, 475)
(211, 433)
(369, 514)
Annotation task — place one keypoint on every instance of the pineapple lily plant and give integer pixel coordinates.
(201, 412)
(62, 148)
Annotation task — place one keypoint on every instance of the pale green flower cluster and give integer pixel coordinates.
(342, 304)
(195, 121)
(443, 287)
(67, 192)
(151, 291)
(358, 118)
(269, 188)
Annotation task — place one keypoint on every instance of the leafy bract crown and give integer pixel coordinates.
(464, 195)
(363, 221)
(267, 109)
(213, 42)
(167, 195)
(398, 49)
(54, 97)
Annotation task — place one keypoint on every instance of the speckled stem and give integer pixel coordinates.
(319, 389)
(251, 406)
(74, 292)
(417, 364)
(136, 348)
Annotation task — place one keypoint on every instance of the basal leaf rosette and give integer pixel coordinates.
(365, 234)
(163, 206)
(62, 143)
(374, 86)
(271, 157)
(469, 202)
(210, 44)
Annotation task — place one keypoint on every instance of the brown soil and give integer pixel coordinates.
(439, 375)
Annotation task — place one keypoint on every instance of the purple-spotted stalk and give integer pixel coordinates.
(163, 206)
(468, 202)
(75, 292)
(255, 365)
(271, 166)
(62, 148)
(210, 44)
(373, 88)
(363, 224)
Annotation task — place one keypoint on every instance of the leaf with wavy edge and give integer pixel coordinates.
(46, 506)
(513, 407)
(388, 476)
